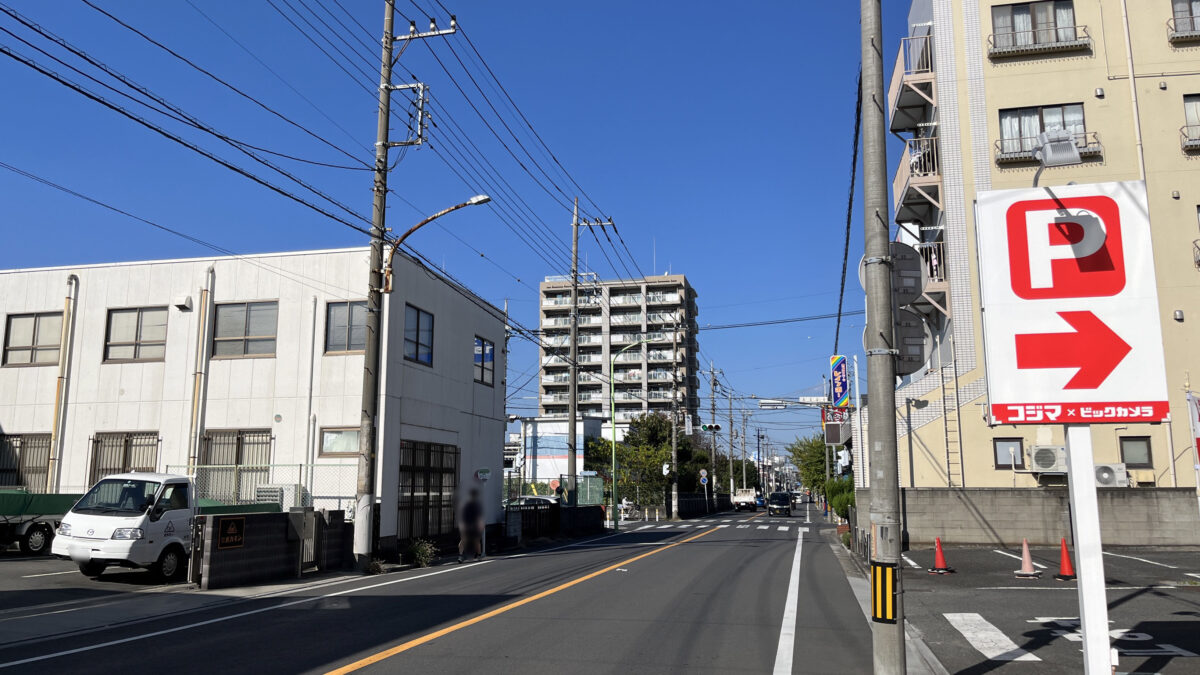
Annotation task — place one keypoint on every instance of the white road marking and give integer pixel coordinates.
(49, 574)
(807, 515)
(701, 527)
(720, 526)
(764, 527)
(787, 630)
(1069, 588)
(783, 528)
(1151, 562)
(742, 527)
(988, 639)
(663, 527)
(1192, 574)
(644, 527)
(238, 615)
(685, 526)
(910, 562)
(1012, 555)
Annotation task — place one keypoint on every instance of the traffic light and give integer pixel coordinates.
(710, 427)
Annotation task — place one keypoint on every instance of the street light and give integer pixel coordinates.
(364, 531)
(612, 408)
(1056, 147)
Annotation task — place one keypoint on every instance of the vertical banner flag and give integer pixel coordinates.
(839, 376)
(1194, 420)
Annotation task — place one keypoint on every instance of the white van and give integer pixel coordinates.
(131, 520)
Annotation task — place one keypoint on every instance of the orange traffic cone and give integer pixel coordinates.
(939, 560)
(1066, 571)
(1027, 571)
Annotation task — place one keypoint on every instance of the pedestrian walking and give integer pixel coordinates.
(470, 526)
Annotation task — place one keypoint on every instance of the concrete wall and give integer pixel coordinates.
(1003, 516)
(271, 551)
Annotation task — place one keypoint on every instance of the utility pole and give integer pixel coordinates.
(712, 395)
(364, 514)
(745, 418)
(887, 627)
(573, 364)
(675, 420)
(729, 397)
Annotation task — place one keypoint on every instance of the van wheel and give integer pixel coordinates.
(91, 568)
(171, 565)
(36, 540)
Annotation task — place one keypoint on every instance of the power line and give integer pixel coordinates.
(849, 209)
(774, 322)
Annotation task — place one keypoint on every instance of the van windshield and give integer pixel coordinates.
(780, 498)
(118, 497)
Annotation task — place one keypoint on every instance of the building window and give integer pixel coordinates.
(1187, 15)
(138, 334)
(1191, 121)
(1030, 24)
(233, 464)
(122, 453)
(1009, 453)
(339, 441)
(418, 335)
(32, 339)
(346, 326)
(1135, 452)
(485, 361)
(428, 482)
(24, 461)
(245, 329)
(1019, 127)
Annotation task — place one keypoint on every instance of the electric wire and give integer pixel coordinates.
(837, 331)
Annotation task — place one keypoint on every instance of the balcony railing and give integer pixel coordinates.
(626, 319)
(660, 395)
(628, 376)
(917, 54)
(1183, 29)
(659, 376)
(627, 395)
(1016, 150)
(625, 299)
(628, 357)
(662, 317)
(1189, 137)
(658, 355)
(662, 298)
(934, 255)
(1040, 41)
(628, 415)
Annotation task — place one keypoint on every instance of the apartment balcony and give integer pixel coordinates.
(627, 376)
(660, 395)
(629, 357)
(624, 338)
(1022, 150)
(592, 397)
(635, 395)
(659, 376)
(1182, 29)
(557, 378)
(917, 186)
(629, 415)
(912, 94)
(658, 355)
(662, 298)
(635, 299)
(662, 317)
(565, 340)
(625, 319)
(1042, 41)
(1189, 137)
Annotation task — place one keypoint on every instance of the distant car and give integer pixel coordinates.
(797, 497)
(531, 499)
(779, 503)
(760, 501)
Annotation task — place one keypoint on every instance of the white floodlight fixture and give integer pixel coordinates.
(479, 199)
(1057, 148)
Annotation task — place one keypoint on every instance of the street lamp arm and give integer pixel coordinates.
(477, 199)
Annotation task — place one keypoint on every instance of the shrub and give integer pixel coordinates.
(846, 539)
(422, 552)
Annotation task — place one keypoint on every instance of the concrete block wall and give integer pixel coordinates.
(1003, 516)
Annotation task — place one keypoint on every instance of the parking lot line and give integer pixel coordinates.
(1149, 562)
(1012, 555)
(49, 574)
(910, 562)
(987, 639)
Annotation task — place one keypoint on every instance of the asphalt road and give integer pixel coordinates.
(702, 596)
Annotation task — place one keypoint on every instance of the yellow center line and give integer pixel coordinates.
(429, 637)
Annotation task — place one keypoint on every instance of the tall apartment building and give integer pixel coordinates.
(974, 83)
(614, 315)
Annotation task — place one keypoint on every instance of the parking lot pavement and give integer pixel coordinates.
(982, 618)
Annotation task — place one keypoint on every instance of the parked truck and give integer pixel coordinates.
(745, 498)
(138, 520)
(31, 519)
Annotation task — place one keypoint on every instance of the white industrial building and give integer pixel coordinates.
(253, 364)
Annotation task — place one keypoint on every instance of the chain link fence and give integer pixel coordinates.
(591, 489)
(321, 486)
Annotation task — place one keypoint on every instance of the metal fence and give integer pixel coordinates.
(321, 486)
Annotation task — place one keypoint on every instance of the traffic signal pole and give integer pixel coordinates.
(887, 615)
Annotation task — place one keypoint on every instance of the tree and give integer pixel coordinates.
(640, 457)
(808, 454)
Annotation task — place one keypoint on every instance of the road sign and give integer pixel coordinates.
(666, 468)
(703, 472)
(1071, 321)
(703, 480)
(839, 377)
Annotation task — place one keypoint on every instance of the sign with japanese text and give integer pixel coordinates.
(1070, 307)
(839, 378)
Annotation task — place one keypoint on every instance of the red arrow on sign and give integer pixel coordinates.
(1093, 348)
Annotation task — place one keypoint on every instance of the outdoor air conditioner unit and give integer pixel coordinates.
(1048, 459)
(288, 495)
(1111, 475)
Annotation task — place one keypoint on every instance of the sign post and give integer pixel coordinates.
(1072, 336)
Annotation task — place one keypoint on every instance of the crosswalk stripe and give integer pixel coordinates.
(764, 527)
(988, 639)
(742, 527)
(783, 528)
(685, 526)
(663, 527)
(720, 526)
(644, 527)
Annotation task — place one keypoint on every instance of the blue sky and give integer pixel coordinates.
(716, 137)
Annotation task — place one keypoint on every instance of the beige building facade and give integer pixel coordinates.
(973, 85)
